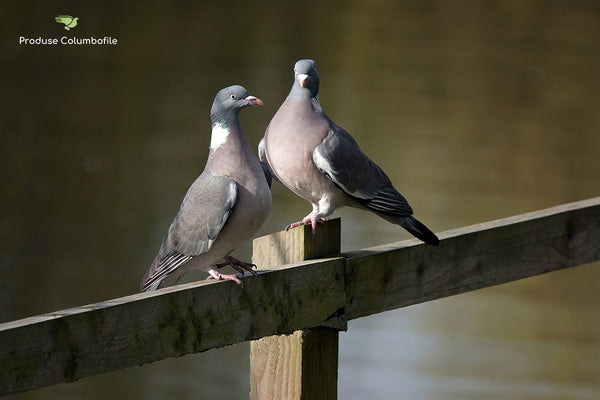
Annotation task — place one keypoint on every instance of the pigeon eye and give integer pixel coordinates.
(296, 70)
(314, 70)
(232, 96)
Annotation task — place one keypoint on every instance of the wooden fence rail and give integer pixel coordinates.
(68, 345)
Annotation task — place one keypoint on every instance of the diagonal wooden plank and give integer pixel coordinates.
(83, 341)
(388, 277)
(71, 344)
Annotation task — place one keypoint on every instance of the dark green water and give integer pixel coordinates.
(477, 111)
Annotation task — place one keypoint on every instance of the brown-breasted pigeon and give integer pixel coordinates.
(224, 207)
(322, 163)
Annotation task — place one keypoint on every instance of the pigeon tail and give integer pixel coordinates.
(417, 229)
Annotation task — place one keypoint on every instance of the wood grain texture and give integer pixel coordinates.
(393, 276)
(302, 365)
(297, 245)
(68, 345)
(71, 344)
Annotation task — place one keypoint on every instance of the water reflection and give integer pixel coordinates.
(476, 110)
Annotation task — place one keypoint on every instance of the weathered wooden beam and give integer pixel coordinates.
(68, 345)
(388, 277)
(71, 344)
(302, 365)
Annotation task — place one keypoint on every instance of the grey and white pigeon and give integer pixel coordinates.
(322, 163)
(224, 207)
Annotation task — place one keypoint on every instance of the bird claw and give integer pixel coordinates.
(311, 220)
(214, 274)
(295, 224)
(238, 265)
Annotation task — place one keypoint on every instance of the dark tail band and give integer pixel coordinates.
(417, 229)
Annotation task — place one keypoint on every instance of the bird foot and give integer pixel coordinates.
(239, 265)
(214, 274)
(311, 220)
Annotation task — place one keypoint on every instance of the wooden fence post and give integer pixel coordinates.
(303, 365)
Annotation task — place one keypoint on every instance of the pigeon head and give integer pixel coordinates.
(229, 101)
(306, 77)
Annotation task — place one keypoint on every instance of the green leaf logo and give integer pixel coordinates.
(69, 21)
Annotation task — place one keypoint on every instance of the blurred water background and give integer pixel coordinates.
(476, 110)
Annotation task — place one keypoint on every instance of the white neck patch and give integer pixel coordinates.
(218, 136)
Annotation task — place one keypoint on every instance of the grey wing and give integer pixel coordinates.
(340, 159)
(264, 163)
(202, 215)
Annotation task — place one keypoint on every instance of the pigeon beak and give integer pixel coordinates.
(255, 101)
(303, 80)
